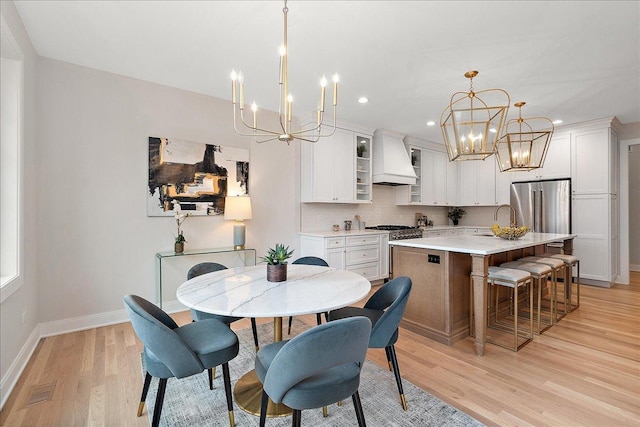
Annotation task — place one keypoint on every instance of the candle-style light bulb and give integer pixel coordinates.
(323, 86)
(254, 108)
(336, 79)
(234, 77)
(241, 81)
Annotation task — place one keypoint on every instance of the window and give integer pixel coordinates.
(11, 78)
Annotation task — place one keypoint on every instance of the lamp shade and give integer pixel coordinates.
(237, 208)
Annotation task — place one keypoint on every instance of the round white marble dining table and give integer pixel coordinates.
(246, 292)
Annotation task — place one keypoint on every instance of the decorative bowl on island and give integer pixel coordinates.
(509, 233)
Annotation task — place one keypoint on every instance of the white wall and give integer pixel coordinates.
(96, 241)
(15, 330)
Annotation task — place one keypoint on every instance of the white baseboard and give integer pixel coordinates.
(10, 378)
(634, 267)
(58, 327)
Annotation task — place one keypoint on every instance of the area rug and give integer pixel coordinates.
(188, 401)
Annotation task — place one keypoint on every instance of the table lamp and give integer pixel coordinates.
(237, 208)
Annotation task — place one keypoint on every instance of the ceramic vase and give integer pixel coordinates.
(277, 272)
(178, 247)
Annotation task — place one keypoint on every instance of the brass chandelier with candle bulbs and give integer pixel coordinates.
(524, 143)
(285, 106)
(472, 121)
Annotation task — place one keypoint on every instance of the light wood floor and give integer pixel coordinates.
(584, 371)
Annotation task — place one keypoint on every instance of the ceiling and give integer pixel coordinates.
(569, 60)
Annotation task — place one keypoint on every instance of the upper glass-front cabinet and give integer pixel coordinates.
(363, 168)
(415, 191)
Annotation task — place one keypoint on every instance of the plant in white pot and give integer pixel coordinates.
(276, 260)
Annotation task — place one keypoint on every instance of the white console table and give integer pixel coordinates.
(172, 268)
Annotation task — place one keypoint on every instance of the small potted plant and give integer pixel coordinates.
(276, 260)
(455, 214)
(178, 246)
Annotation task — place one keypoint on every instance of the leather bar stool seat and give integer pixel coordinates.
(513, 279)
(540, 273)
(570, 262)
(559, 268)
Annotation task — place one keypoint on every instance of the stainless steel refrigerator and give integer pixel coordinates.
(543, 206)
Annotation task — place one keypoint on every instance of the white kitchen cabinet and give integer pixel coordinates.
(332, 172)
(477, 182)
(594, 161)
(594, 186)
(435, 183)
(596, 244)
(452, 183)
(430, 165)
(365, 253)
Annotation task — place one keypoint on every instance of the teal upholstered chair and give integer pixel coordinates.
(309, 260)
(208, 267)
(319, 367)
(173, 351)
(385, 309)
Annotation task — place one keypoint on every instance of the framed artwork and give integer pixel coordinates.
(195, 176)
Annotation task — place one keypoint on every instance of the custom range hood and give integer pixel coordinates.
(391, 162)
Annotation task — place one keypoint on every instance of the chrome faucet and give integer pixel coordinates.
(513, 214)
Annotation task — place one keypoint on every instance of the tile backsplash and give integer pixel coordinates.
(383, 210)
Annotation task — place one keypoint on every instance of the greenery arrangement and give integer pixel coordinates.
(278, 255)
(180, 218)
(456, 213)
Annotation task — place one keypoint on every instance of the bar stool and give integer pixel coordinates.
(570, 261)
(540, 273)
(514, 279)
(558, 268)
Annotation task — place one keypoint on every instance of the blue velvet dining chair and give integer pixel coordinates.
(208, 267)
(385, 309)
(319, 367)
(310, 260)
(179, 351)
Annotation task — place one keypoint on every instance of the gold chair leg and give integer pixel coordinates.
(404, 402)
(140, 408)
(325, 412)
(232, 419)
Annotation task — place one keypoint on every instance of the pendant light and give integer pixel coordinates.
(472, 121)
(525, 142)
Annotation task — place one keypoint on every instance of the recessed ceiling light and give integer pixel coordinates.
(557, 122)
(363, 100)
(431, 123)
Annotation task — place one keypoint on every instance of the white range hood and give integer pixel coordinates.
(391, 162)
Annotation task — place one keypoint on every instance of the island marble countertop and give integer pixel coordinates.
(480, 244)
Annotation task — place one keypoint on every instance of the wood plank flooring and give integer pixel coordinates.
(584, 371)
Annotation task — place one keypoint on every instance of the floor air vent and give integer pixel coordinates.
(41, 393)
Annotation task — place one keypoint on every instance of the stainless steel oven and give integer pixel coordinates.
(398, 232)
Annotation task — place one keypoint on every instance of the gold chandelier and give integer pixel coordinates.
(470, 125)
(285, 105)
(524, 143)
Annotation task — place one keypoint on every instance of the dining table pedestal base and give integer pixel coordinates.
(248, 395)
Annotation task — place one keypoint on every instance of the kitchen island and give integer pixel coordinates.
(440, 269)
